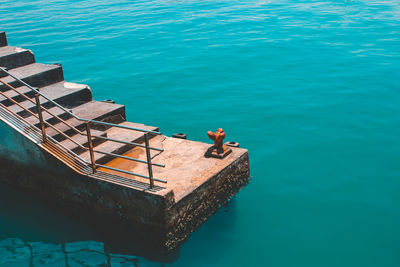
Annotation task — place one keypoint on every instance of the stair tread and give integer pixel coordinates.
(13, 94)
(80, 139)
(55, 110)
(122, 135)
(26, 104)
(29, 70)
(90, 109)
(12, 57)
(9, 50)
(115, 132)
(97, 110)
(61, 88)
(54, 91)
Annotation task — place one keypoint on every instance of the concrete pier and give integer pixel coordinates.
(165, 214)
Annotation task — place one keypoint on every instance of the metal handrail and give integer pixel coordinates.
(33, 126)
(93, 164)
(125, 142)
(69, 125)
(125, 157)
(40, 119)
(128, 172)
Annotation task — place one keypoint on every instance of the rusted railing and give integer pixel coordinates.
(91, 150)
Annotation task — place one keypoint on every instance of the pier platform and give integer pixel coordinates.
(82, 155)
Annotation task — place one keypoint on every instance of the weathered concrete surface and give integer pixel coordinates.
(13, 57)
(163, 216)
(186, 168)
(36, 74)
(199, 185)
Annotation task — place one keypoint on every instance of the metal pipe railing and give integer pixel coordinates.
(44, 109)
(39, 112)
(40, 120)
(126, 142)
(69, 125)
(132, 173)
(89, 136)
(150, 169)
(93, 164)
(34, 127)
(128, 158)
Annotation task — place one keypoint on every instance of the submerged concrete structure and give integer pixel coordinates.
(16, 252)
(82, 155)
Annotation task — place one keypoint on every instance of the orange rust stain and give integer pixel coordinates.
(124, 164)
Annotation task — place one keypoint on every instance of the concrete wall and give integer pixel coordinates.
(16, 147)
(116, 211)
(187, 215)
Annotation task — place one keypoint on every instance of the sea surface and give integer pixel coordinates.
(311, 88)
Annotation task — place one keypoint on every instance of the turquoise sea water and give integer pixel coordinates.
(310, 87)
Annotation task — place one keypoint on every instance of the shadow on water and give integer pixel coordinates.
(35, 231)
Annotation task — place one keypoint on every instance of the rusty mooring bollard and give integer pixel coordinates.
(218, 138)
(218, 150)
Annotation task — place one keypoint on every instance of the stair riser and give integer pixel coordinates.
(17, 59)
(39, 80)
(3, 74)
(52, 120)
(46, 78)
(95, 141)
(76, 98)
(3, 39)
(69, 132)
(106, 158)
(81, 126)
(73, 99)
(25, 113)
(17, 98)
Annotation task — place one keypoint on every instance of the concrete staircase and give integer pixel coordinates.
(48, 79)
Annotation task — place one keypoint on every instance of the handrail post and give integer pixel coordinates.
(89, 136)
(146, 139)
(39, 111)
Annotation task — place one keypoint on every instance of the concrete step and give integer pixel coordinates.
(118, 148)
(101, 111)
(13, 57)
(83, 140)
(15, 96)
(62, 93)
(73, 94)
(93, 110)
(3, 42)
(3, 39)
(47, 117)
(35, 74)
